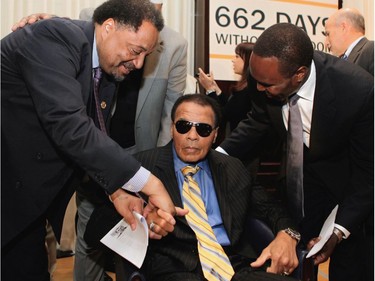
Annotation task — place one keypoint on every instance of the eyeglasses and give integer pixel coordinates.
(203, 129)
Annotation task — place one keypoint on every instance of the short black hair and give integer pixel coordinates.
(130, 13)
(289, 44)
(202, 100)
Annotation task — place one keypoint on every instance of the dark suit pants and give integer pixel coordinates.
(243, 275)
(25, 257)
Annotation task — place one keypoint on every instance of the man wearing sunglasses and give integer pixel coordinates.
(228, 198)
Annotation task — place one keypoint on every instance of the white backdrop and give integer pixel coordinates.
(13, 10)
(244, 21)
(178, 14)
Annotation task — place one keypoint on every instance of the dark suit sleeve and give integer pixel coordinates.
(358, 203)
(269, 210)
(55, 64)
(244, 139)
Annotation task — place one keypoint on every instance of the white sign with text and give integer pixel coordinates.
(236, 21)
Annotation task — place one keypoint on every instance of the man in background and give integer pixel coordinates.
(345, 38)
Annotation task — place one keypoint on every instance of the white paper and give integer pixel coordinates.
(131, 245)
(325, 233)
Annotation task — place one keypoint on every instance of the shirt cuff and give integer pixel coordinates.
(210, 92)
(138, 181)
(219, 149)
(343, 230)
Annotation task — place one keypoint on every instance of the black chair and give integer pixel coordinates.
(260, 236)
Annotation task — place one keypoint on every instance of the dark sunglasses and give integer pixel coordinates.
(203, 129)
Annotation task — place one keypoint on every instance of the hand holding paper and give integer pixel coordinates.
(128, 243)
(325, 233)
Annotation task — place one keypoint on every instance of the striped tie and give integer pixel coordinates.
(214, 261)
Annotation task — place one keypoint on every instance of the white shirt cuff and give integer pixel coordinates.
(343, 230)
(221, 150)
(138, 181)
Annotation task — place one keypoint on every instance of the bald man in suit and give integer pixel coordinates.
(345, 38)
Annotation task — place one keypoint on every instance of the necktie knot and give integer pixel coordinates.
(189, 170)
(344, 57)
(293, 99)
(97, 73)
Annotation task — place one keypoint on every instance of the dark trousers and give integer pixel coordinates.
(244, 275)
(25, 257)
(240, 264)
(348, 261)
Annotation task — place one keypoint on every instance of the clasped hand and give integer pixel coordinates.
(159, 210)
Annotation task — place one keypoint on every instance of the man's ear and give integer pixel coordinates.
(172, 130)
(108, 25)
(216, 133)
(301, 73)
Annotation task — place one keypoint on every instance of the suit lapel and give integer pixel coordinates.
(219, 179)
(356, 50)
(324, 109)
(107, 93)
(164, 169)
(152, 64)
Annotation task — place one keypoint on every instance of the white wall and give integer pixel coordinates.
(13, 10)
(366, 7)
(178, 14)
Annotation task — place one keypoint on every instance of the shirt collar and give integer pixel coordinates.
(95, 57)
(350, 48)
(307, 90)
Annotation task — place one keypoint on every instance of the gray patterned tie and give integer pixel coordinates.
(294, 169)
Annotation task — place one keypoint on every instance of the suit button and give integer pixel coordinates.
(103, 105)
(39, 156)
(18, 185)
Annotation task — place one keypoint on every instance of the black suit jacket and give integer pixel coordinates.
(363, 55)
(237, 201)
(47, 133)
(338, 166)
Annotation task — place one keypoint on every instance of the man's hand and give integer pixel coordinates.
(282, 252)
(125, 204)
(158, 196)
(30, 20)
(161, 223)
(326, 251)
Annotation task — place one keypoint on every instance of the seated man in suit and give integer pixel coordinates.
(228, 199)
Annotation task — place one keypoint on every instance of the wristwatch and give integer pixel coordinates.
(338, 233)
(293, 233)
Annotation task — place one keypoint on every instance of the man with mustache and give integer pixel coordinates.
(228, 197)
(48, 102)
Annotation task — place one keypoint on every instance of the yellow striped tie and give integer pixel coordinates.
(214, 261)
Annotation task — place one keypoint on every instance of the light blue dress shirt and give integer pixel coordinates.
(204, 179)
